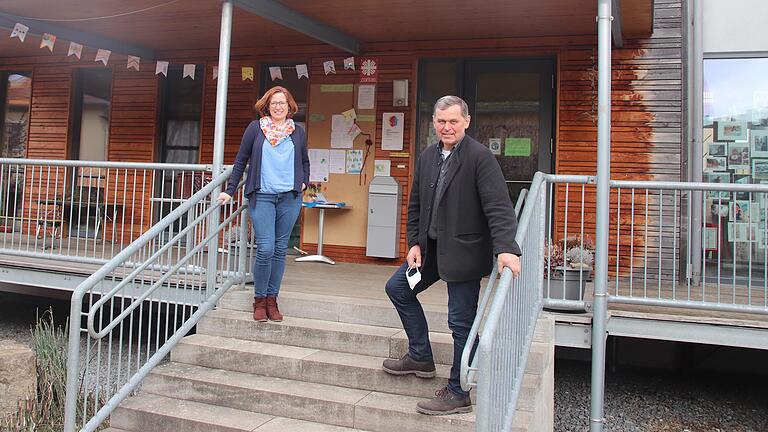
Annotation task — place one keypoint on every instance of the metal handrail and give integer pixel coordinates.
(534, 201)
(124, 256)
(107, 164)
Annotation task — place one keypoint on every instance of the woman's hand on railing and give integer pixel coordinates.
(223, 198)
(511, 261)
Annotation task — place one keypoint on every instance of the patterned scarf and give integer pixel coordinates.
(276, 134)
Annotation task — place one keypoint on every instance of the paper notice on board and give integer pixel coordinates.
(341, 127)
(366, 96)
(382, 168)
(392, 131)
(338, 160)
(318, 165)
(354, 161)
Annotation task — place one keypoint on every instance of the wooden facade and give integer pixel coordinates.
(647, 115)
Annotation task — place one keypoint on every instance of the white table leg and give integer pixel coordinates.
(319, 257)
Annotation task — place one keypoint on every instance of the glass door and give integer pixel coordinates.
(510, 102)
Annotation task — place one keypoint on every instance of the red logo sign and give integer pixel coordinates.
(369, 70)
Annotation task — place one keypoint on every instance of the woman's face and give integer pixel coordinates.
(278, 107)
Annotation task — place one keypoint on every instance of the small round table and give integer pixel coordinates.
(319, 257)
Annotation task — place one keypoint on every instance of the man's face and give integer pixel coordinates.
(450, 125)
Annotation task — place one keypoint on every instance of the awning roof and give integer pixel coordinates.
(194, 24)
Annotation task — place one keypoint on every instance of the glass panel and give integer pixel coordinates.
(438, 78)
(17, 89)
(735, 149)
(15, 120)
(506, 118)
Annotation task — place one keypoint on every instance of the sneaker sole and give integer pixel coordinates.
(460, 410)
(420, 374)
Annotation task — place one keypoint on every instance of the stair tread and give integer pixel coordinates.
(218, 416)
(350, 360)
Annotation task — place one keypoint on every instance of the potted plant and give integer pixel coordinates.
(312, 191)
(568, 266)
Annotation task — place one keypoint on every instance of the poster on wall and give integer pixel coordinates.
(759, 143)
(731, 131)
(393, 126)
(738, 156)
(354, 161)
(495, 145)
(382, 168)
(318, 165)
(338, 161)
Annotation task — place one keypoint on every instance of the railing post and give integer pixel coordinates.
(73, 363)
(597, 419)
(218, 133)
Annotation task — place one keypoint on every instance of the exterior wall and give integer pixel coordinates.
(647, 111)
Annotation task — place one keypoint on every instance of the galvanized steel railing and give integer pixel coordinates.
(86, 211)
(499, 365)
(145, 299)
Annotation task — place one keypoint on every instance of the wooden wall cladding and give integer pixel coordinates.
(49, 117)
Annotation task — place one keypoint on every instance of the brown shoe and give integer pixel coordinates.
(272, 311)
(260, 309)
(445, 402)
(406, 365)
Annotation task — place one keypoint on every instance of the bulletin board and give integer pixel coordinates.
(345, 227)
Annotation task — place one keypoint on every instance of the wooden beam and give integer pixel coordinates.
(38, 27)
(618, 38)
(283, 15)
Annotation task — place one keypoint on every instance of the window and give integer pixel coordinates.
(182, 106)
(16, 97)
(735, 149)
(92, 97)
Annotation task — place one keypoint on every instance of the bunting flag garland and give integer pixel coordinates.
(215, 73)
(247, 73)
(102, 55)
(329, 67)
(349, 63)
(275, 73)
(161, 68)
(133, 62)
(301, 71)
(48, 41)
(19, 31)
(75, 49)
(189, 71)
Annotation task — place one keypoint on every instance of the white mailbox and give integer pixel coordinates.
(383, 238)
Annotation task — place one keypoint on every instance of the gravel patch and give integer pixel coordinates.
(659, 401)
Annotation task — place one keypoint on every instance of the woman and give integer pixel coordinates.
(277, 174)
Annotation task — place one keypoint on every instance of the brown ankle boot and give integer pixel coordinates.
(272, 311)
(260, 309)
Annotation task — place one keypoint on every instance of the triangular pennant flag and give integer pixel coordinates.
(75, 49)
(133, 62)
(48, 41)
(215, 72)
(189, 71)
(275, 73)
(349, 63)
(102, 55)
(329, 67)
(247, 73)
(19, 31)
(301, 71)
(161, 68)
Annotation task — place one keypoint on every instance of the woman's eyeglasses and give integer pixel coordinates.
(278, 104)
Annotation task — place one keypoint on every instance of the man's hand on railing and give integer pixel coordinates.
(223, 198)
(510, 261)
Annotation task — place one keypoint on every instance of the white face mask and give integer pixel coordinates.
(413, 275)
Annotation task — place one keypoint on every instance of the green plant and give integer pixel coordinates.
(44, 412)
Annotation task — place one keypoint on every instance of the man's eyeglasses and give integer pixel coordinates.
(278, 104)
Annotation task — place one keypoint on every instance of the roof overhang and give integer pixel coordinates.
(145, 27)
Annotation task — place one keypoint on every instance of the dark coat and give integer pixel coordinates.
(250, 149)
(476, 219)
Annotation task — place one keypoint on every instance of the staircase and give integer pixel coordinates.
(319, 370)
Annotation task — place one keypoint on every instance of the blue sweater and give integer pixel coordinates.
(250, 150)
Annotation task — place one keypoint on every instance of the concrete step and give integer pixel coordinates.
(321, 403)
(327, 335)
(303, 364)
(350, 310)
(149, 412)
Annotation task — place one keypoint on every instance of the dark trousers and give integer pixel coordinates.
(462, 308)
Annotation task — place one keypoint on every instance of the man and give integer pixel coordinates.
(459, 217)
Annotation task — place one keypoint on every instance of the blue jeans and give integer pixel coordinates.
(462, 308)
(272, 217)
